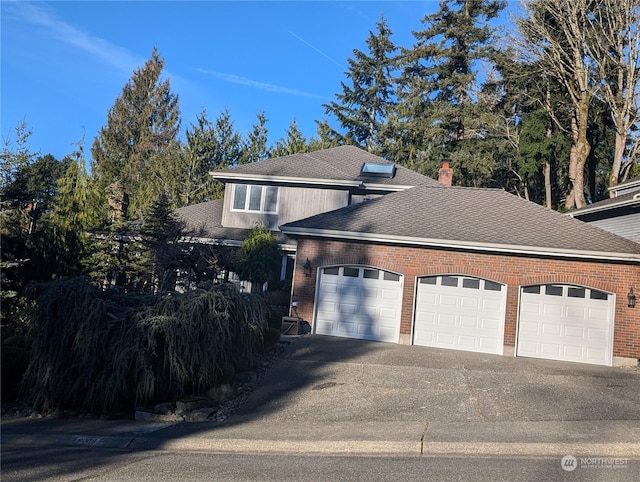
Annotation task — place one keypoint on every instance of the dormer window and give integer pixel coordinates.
(375, 169)
(255, 199)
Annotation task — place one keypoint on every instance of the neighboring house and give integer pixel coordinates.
(620, 214)
(428, 264)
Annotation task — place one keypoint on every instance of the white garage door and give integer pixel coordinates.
(359, 302)
(460, 312)
(569, 323)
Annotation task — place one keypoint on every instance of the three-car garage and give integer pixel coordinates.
(555, 321)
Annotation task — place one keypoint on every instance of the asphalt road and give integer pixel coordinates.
(48, 463)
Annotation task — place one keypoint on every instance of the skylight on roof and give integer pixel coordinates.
(378, 169)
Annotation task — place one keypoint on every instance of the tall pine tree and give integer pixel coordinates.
(440, 114)
(363, 107)
(140, 135)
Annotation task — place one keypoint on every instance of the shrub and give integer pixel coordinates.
(108, 351)
(15, 358)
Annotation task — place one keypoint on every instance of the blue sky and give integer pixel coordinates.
(63, 64)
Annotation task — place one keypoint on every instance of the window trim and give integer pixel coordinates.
(263, 198)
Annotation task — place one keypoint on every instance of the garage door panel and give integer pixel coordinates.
(447, 320)
(550, 349)
(447, 300)
(388, 314)
(492, 324)
(550, 329)
(467, 315)
(574, 332)
(330, 288)
(445, 339)
(491, 305)
(552, 310)
(391, 295)
(468, 342)
(595, 354)
(488, 344)
(580, 313)
(596, 335)
(468, 322)
(470, 302)
(576, 326)
(348, 308)
(529, 308)
(529, 327)
(345, 328)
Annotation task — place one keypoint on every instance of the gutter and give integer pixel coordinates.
(457, 244)
(629, 202)
(227, 242)
(285, 179)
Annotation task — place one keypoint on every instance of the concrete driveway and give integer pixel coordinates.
(345, 380)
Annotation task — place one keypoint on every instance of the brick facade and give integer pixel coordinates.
(510, 269)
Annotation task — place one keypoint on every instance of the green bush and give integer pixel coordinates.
(107, 351)
(15, 359)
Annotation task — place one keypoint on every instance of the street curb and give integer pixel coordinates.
(111, 442)
(334, 447)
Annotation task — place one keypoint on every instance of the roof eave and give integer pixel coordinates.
(385, 187)
(284, 179)
(458, 244)
(607, 207)
(227, 242)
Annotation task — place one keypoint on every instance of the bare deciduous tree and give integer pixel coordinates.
(615, 50)
(557, 38)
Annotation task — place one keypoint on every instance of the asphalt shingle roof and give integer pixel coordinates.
(338, 163)
(468, 216)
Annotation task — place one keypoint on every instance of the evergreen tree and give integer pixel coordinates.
(258, 258)
(63, 241)
(159, 251)
(139, 136)
(188, 179)
(293, 142)
(440, 115)
(362, 107)
(15, 244)
(228, 143)
(254, 147)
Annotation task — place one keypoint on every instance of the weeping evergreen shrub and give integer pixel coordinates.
(83, 343)
(190, 340)
(107, 351)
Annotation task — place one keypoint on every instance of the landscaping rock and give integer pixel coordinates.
(164, 408)
(245, 377)
(190, 404)
(143, 416)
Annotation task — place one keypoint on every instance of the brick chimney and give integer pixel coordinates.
(445, 174)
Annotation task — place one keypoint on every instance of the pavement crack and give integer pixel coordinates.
(424, 433)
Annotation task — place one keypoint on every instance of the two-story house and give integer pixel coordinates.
(280, 190)
(424, 263)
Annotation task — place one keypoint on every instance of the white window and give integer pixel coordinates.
(256, 199)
